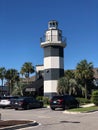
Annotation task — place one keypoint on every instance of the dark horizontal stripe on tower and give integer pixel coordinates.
(53, 74)
(50, 94)
(53, 51)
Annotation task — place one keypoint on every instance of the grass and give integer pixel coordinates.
(84, 109)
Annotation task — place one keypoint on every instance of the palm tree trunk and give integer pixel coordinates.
(86, 91)
(10, 87)
(2, 86)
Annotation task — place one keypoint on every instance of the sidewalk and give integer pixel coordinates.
(87, 105)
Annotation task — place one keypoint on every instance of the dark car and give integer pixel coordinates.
(6, 101)
(27, 103)
(64, 102)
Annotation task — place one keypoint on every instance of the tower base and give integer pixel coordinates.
(50, 94)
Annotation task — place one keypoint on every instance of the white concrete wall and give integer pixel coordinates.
(53, 62)
(50, 86)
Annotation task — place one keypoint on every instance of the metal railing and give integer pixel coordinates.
(52, 38)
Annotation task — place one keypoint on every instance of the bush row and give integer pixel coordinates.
(45, 100)
(83, 101)
(94, 99)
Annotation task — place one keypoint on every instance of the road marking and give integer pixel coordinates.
(30, 127)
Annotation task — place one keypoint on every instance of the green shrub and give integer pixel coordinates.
(83, 101)
(44, 99)
(40, 98)
(95, 97)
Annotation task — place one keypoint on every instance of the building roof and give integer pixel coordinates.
(34, 86)
(96, 73)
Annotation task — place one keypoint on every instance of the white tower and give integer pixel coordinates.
(53, 45)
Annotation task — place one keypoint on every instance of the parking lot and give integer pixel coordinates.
(53, 120)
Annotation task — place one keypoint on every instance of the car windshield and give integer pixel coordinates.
(20, 99)
(57, 97)
(8, 97)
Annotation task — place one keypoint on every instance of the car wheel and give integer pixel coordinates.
(77, 105)
(27, 107)
(16, 108)
(64, 108)
(41, 105)
(52, 108)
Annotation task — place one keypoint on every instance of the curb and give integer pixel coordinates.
(88, 105)
(20, 126)
(67, 112)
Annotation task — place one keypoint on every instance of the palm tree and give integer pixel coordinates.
(62, 87)
(2, 75)
(73, 87)
(67, 84)
(12, 76)
(27, 69)
(69, 74)
(72, 83)
(84, 72)
(18, 89)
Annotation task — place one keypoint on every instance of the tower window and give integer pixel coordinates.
(47, 71)
(53, 24)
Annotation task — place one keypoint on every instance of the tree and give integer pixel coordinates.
(67, 84)
(73, 87)
(69, 74)
(18, 89)
(62, 87)
(84, 72)
(2, 74)
(72, 83)
(12, 76)
(27, 69)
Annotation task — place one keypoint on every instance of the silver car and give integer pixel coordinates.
(6, 101)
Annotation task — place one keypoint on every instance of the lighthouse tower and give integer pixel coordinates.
(53, 45)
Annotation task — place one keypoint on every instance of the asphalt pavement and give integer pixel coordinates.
(53, 120)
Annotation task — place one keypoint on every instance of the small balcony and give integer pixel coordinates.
(53, 39)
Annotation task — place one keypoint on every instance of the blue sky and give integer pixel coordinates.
(23, 22)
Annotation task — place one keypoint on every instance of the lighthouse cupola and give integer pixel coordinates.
(53, 24)
(53, 36)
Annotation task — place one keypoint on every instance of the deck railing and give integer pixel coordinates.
(53, 38)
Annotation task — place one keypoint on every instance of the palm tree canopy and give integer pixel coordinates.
(69, 74)
(27, 69)
(62, 87)
(73, 87)
(12, 74)
(84, 70)
(2, 72)
(72, 82)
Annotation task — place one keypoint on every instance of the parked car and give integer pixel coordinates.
(27, 103)
(64, 102)
(6, 101)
